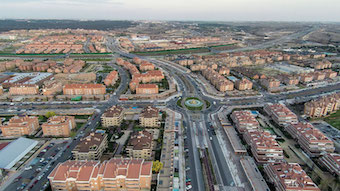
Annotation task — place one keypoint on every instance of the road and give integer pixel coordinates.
(197, 124)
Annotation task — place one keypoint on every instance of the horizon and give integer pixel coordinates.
(145, 20)
(175, 10)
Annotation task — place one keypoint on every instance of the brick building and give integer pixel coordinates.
(140, 145)
(24, 89)
(264, 147)
(244, 121)
(19, 126)
(244, 84)
(280, 114)
(147, 89)
(113, 116)
(114, 174)
(91, 147)
(59, 126)
(270, 83)
(149, 117)
(332, 162)
(322, 106)
(146, 66)
(111, 78)
(289, 177)
(52, 88)
(84, 89)
(311, 139)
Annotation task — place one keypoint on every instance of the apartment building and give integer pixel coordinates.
(52, 88)
(19, 126)
(270, 83)
(280, 114)
(332, 162)
(91, 147)
(244, 84)
(308, 77)
(224, 86)
(185, 62)
(244, 121)
(113, 116)
(330, 73)
(289, 79)
(289, 177)
(84, 89)
(140, 145)
(318, 76)
(58, 126)
(146, 66)
(149, 117)
(264, 147)
(224, 71)
(149, 76)
(322, 106)
(115, 174)
(217, 80)
(147, 89)
(137, 60)
(311, 139)
(320, 65)
(24, 89)
(111, 78)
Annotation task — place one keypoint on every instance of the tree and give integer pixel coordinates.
(41, 118)
(50, 114)
(157, 166)
(73, 134)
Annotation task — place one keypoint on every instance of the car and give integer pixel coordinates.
(42, 160)
(188, 180)
(17, 179)
(188, 183)
(28, 168)
(188, 187)
(188, 168)
(39, 177)
(31, 186)
(68, 146)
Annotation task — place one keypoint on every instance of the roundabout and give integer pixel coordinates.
(193, 103)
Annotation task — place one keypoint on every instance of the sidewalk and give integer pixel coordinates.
(165, 176)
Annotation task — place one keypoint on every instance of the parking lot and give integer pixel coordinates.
(329, 131)
(36, 172)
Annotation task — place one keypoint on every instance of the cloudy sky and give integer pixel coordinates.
(216, 10)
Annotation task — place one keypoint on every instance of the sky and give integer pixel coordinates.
(202, 10)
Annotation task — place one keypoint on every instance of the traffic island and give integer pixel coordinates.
(193, 103)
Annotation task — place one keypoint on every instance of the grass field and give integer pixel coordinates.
(334, 119)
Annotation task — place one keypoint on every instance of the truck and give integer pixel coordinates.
(78, 98)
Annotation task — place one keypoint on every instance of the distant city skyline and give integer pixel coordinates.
(212, 10)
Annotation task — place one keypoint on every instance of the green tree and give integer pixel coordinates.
(41, 118)
(157, 166)
(50, 114)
